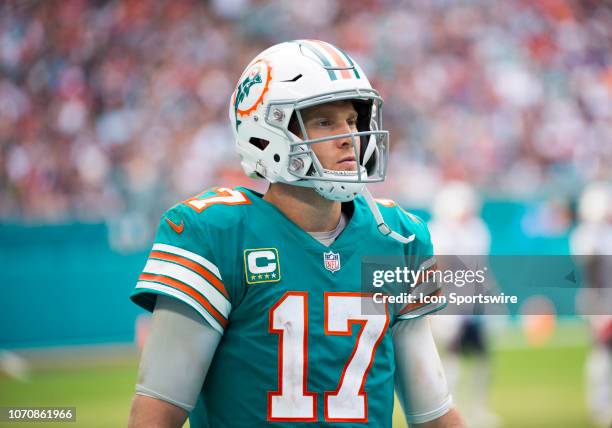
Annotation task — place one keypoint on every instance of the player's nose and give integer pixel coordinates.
(348, 139)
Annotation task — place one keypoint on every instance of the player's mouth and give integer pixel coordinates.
(348, 163)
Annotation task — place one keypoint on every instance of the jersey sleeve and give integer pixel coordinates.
(183, 265)
(420, 258)
(420, 382)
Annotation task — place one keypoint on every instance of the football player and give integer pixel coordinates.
(259, 315)
(592, 241)
(458, 230)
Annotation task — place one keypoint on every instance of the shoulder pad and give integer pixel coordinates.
(216, 206)
(393, 213)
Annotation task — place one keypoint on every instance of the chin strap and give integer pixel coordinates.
(380, 222)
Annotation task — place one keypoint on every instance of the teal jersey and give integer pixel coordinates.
(298, 345)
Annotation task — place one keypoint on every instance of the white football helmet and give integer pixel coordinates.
(596, 202)
(275, 87)
(268, 102)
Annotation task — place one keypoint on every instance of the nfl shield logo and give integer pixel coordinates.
(331, 261)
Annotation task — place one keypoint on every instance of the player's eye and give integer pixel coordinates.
(324, 122)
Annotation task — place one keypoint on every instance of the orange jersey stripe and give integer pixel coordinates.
(187, 290)
(183, 261)
(341, 63)
(412, 306)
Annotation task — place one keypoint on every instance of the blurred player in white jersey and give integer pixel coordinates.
(457, 229)
(592, 238)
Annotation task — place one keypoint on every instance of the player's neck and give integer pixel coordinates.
(305, 207)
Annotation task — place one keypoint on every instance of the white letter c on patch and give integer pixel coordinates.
(268, 255)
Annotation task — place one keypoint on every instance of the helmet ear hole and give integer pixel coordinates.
(364, 123)
(294, 126)
(260, 143)
(364, 114)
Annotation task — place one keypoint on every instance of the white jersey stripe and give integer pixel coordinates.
(183, 297)
(188, 254)
(192, 279)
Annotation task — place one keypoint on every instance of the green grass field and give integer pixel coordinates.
(532, 387)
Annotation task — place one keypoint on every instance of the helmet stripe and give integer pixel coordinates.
(350, 62)
(324, 61)
(331, 51)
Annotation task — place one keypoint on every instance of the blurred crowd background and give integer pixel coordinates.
(114, 107)
(111, 111)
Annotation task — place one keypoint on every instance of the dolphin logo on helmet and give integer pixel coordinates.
(252, 77)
